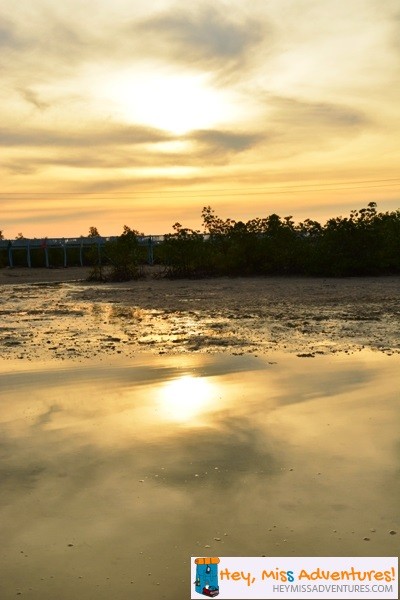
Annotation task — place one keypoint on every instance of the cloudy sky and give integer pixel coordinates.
(142, 112)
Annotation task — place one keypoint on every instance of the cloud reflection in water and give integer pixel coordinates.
(141, 465)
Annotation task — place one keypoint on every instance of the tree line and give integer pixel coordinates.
(367, 242)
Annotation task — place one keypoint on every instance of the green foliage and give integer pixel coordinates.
(184, 253)
(123, 255)
(3, 257)
(351, 245)
(365, 243)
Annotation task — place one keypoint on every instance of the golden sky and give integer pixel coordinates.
(142, 112)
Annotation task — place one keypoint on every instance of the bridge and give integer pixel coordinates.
(65, 244)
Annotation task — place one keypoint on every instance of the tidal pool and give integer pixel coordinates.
(113, 474)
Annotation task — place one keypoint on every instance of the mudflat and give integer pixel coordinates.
(57, 313)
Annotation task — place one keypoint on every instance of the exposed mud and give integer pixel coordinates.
(76, 319)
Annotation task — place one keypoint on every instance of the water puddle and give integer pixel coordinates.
(114, 473)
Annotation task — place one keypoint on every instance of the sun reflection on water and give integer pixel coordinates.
(187, 398)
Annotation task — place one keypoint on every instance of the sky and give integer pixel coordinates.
(140, 113)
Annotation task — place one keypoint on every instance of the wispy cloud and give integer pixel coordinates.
(213, 146)
(205, 37)
(294, 126)
(90, 136)
(132, 147)
(314, 115)
(9, 38)
(226, 140)
(33, 98)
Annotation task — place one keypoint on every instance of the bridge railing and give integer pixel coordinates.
(64, 244)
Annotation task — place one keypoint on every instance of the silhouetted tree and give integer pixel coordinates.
(123, 254)
(184, 253)
(93, 232)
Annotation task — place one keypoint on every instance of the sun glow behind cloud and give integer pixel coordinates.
(158, 109)
(173, 102)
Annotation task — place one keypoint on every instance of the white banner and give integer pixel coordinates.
(265, 578)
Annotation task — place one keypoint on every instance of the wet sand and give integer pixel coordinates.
(146, 422)
(57, 314)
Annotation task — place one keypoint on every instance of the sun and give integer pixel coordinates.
(176, 103)
(185, 399)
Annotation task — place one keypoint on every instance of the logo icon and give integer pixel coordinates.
(206, 582)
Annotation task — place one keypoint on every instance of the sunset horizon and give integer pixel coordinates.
(142, 115)
(228, 387)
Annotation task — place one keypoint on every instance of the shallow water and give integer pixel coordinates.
(114, 473)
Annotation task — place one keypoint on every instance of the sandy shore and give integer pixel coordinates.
(56, 313)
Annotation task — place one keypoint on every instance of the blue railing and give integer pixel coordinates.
(45, 244)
